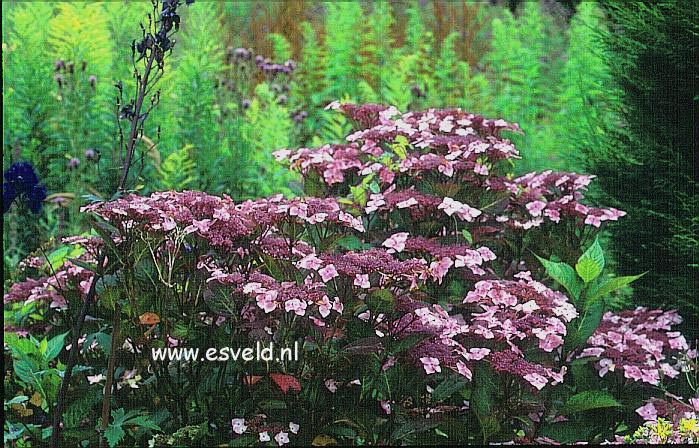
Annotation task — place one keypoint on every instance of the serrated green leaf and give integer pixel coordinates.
(114, 434)
(588, 269)
(610, 286)
(591, 262)
(563, 274)
(590, 399)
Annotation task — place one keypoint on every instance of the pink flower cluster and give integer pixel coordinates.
(219, 221)
(549, 196)
(521, 310)
(638, 343)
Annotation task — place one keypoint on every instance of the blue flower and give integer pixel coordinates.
(21, 180)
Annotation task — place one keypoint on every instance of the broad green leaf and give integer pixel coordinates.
(587, 269)
(585, 325)
(610, 286)
(54, 346)
(408, 342)
(590, 399)
(483, 400)
(566, 432)
(448, 387)
(564, 275)
(413, 426)
(590, 263)
(381, 301)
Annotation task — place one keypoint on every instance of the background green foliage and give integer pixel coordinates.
(647, 159)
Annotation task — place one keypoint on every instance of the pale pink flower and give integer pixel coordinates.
(396, 242)
(362, 280)
(93, 379)
(536, 380)
(648, 412)
(331, 384)
(264, 437)
(267, 301)
(536, 207)
(407, 203)
(386, 406)
(282, 438)
(328, 273)
(239, 425)
(464, 370)
(430, 364)
(296, 305)
(294, 427)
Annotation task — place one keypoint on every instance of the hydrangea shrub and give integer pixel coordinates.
(431, 293)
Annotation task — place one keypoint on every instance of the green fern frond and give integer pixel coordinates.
(178, 170)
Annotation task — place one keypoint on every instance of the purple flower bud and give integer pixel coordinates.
(282, 99)
(73, 163)
(291, 64)
(240, 53)
(92, 80)
(90, 154)
(259, 59)
(59, 79)
(245, 104)
(60, 64)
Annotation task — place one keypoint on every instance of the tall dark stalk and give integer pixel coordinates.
(153, 48)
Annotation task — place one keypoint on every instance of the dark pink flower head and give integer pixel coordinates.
(520, 310)
(639, 343)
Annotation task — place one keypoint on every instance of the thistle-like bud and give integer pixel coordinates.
(92, 79)
(245, 104)
(73, 163)
(59, 80)
(90, 154)
(60, 65)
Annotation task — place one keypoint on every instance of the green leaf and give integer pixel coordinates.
(381, 301)
(567, 432)
(142, 422)
(17, 400)
(590, 399)
(467, 236)
(448, 387)
(483, 400)
(413, 426)
(610, 286)
(590, 263)
(586, 325)
(563, 274)
(54, 346)
(408, 342)
(114, 434)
